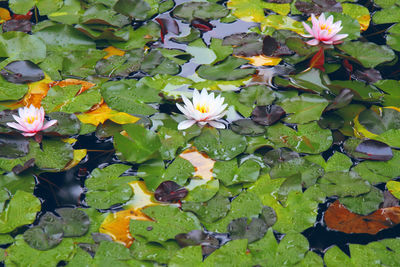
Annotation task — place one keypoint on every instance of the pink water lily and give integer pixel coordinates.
(205, 109)
(324, 30)
(30, 121)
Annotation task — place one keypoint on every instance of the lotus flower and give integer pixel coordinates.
(30, 121)
(205, 109)
(324, 30)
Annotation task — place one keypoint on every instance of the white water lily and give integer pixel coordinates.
(30, 121)
(205, 109)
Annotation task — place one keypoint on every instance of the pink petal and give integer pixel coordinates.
(49, 124)
(313, 42)
(16, 126)
(307, 29)
(339, 37)
(29, 134)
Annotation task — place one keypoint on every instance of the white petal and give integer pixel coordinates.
(185, 124)
(184, 111)
(218, 125)
(16, 126)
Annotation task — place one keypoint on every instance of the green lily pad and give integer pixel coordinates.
(227, 70)
(106, 187)
(343, 184)
(21, 210)
(230, 173)
(309, 138)
(206, 10)
(169, 221)
(364, 204)
(234, 252)
(140, 145)
(368, 54)
(127, 96)
(303, 108)
(210, 211)
(220, 144)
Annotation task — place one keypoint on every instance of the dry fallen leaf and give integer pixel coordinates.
(339, 218)
(116, 224)
(262, 60)
(200, 161)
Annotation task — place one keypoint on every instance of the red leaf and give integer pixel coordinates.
(27, 16)
(167, 25)
(202, 25)
(318, 60)
(347, 65)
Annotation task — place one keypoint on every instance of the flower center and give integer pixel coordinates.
(30, 119)
(203, 108)
(325, 27)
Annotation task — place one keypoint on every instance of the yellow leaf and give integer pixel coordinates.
(102, 112)
(113, 51)
(262, 60)
(79, 154)
(394, 188)
(360, 13)
(280, 22)
(202, 164)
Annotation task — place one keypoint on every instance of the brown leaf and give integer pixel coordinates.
(339, 218)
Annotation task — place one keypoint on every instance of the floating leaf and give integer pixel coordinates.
(338, 218)
(267, 115)
(361, 52)
(309, 138)
(206, 11)
(21, 210)
(169, 191)
(226, 70)
(229, 173)
(163, 228)
(219, 144)
(139, 145)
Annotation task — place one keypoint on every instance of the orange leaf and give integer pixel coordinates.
(262, 60)
(116, 224)
(200, 161)
(4, 14)
(100, 113)
(113, 51)
(339, 218)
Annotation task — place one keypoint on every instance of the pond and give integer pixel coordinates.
(199, 133)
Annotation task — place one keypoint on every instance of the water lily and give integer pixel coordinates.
(30, 121)
(205, 109)
(324, 30)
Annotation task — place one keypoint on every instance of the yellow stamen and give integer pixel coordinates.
(30, 119)
(202, 108)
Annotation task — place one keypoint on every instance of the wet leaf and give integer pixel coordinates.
(21, 72)
(201, 24)
(245, 44)
(247, 127)
(234, 252)
(364, 204)
(197, 237)
(318, 6)
(267, 115)
(21, 210)
(341, 100)
(105, 187)
(206, 11)
(368, 54)
(163, 228)
(374, 150)
(74, 222)
(240, 229)
(303, 108)
(13, 146)
(19, 25)
(338, 218)
(394, 188)
(45, 236)
(210, 211)
(220, 144)
(226, 70)
(309, 138)
(170, 191)
(343, 184)
(140, 144)
(230, 173)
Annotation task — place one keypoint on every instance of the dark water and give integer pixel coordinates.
(66, 189)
